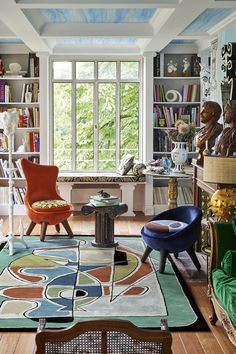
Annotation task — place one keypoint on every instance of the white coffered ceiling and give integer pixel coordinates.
(111, 26)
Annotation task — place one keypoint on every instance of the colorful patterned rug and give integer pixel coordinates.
(69, 280)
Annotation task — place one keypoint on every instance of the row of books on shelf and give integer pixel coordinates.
(15, 164)
(161, 142)
(189, 93)
(18, 195)
(29, 117)
(185, 195)
(30, 92)
(164, 116)
(18, 173)
(5, 92)
(33, 141)
(33, 65)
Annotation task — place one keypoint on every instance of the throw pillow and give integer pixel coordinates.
(126, 165)
(166, 225)
(138, 168)
(228, 263)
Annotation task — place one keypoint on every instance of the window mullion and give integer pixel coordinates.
(73, 117)
(118, 116)
(96, 119)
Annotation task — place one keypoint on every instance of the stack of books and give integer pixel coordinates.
(99, 201)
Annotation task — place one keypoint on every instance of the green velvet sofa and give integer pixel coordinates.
(222, 276)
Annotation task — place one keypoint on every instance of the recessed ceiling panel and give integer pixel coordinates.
(10, 41)
(208, 19)
(183, 41)
(97, 15)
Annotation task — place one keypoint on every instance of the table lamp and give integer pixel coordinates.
(221, 170)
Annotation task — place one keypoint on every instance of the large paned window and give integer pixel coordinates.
(95, 113)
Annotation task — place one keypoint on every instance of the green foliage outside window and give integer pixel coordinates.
(105, 124)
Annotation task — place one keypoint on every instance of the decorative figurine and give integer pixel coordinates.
(104, 194)
(186, 67)
(226, 146)
(172, 68)
(205, 138)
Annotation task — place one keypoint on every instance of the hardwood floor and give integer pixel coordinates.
(214, 342)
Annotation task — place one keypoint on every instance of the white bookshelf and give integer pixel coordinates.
(18, 85)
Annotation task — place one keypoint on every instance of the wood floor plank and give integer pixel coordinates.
(177, 344)
(209, 343)
(191, 343)
(213, 342)
(26, 344)
(9, 342)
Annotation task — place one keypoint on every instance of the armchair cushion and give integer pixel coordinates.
(225, 290)
(52, 204)
(164, 226)
(228, 263)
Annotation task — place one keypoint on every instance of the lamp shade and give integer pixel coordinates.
(219, 169)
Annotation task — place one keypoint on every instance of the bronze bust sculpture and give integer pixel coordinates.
(205, 138)
(226, 145)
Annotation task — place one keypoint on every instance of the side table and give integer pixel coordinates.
(104, 222)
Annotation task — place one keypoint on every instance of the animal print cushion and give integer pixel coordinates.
(50, 204)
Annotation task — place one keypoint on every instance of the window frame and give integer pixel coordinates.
(95, 82)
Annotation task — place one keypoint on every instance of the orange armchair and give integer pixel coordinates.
(43, 204)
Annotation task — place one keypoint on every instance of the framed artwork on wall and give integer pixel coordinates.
(178, 65)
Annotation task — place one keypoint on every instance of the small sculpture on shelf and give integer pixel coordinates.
(226, 145)
(23, 147)
(186, 67)
(172, 68)
(205, 138)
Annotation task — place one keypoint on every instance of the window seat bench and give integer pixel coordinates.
(77, 187)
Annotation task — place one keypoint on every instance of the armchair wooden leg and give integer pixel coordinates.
(147, 251)
(193, 257)
(43, 230)
(163, 256)
(57, 227)
(30, 228)
(67, 228)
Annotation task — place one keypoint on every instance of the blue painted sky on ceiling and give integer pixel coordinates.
(183, 41)
(95, 41)
(11, 40)
(208, 19)
(97, 15)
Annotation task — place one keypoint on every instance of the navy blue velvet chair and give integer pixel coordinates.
(174, 242)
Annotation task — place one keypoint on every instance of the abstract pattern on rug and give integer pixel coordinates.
(80, 280)
(69, 280)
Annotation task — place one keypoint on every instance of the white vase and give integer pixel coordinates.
(179, 156)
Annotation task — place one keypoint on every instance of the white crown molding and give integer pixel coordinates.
(126, 30)
(41, 4)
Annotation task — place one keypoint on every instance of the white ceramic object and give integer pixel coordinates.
(179, 156)
(15, 67)
(173, 96)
